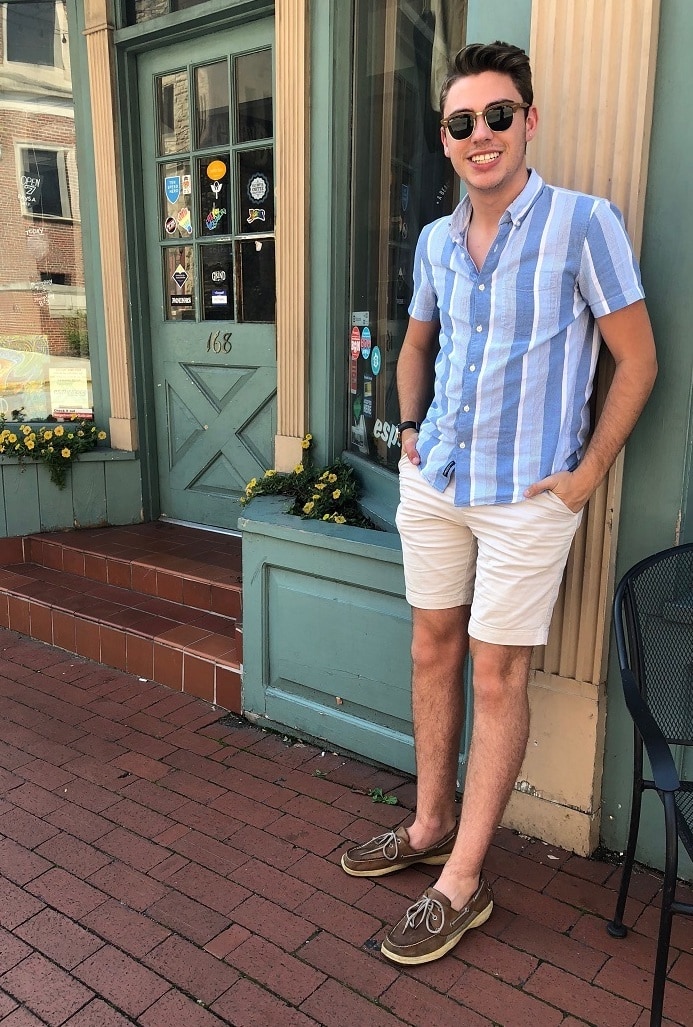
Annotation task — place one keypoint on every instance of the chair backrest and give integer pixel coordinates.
(653, 621)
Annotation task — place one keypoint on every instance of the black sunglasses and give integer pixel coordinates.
(498, 117)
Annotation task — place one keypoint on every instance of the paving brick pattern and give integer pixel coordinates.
(163, 863)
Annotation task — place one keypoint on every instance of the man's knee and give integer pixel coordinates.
(439, 637)
(500, 672)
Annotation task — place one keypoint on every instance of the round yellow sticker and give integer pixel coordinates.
(216, 170)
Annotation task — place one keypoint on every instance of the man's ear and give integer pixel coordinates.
(531, 123)
(444, 140)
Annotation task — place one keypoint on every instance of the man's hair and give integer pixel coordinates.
(502, 57)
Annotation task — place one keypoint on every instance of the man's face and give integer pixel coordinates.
(492, 164)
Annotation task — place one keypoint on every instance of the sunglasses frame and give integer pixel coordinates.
(477, 114)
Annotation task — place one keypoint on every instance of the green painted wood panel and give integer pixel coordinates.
(55, 505)
(21, 495)
(123, 492)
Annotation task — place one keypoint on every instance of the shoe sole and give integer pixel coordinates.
(394, 957)
(431, 860)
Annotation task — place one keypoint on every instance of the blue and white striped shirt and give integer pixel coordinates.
(518, 339)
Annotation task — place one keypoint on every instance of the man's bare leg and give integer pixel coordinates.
(499, 739)
(439, 648)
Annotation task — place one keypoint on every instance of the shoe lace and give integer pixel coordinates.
(388, 845)
(426, 911)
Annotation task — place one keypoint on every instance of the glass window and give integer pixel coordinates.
(401, 180)
(45, 370)
(217, 188)
(137, 11)
(31, 33)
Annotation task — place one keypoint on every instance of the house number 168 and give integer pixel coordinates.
(219, 343)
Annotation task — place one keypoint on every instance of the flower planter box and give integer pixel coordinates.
(326, 633)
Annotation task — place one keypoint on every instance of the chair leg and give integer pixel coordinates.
(668, 897)
(616, 927)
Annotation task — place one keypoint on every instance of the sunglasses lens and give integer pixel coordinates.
(461, 126)
(499, 119)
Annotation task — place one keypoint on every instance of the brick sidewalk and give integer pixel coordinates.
(160, 867)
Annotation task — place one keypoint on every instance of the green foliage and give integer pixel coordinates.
(76, 334)
(319, 493)
(377, 795)
(55, 446)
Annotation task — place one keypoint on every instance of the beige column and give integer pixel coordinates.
(99, 34)
(292, 161)
(594, 66)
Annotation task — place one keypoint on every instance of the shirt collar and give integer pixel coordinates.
(516, 212)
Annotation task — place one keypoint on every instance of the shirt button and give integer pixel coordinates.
(479, 328)
(472, 367)
(482, 287)
(466, 409)
(463, 445)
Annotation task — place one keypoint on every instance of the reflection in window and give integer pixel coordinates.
(144, 10)
(32, 34)
(401, 180)
(45, 370)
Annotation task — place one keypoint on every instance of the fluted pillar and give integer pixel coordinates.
(99, 36)
(292, 160)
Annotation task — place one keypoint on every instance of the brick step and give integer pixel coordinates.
(130, 600)
(174, 562)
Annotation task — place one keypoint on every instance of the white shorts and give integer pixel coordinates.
(506, 561)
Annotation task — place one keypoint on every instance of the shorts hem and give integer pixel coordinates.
(426, 602)
(502, 636)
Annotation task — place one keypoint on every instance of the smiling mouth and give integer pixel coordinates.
(484, 158)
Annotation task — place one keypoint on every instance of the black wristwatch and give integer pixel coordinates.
(416, 425)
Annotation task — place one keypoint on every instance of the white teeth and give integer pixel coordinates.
(484, 158)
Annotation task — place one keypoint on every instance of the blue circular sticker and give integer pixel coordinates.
(375, 360)
(366, 343)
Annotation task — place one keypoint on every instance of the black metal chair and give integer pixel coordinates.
(653, 623)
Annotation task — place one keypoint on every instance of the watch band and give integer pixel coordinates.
(416, 425)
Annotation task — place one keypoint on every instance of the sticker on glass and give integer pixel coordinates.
(258, 187)
(219, 297)
(181, 301)
(355, 341)
(180, 276)
(354, 376)
(214, 217)
(255, 214)
(366, 342)
(216, 170)
(187, 185)
(172, 187)
(184, 222)
(170, 224)
(367, 395)
(376, 361)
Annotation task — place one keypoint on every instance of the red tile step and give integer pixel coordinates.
(158, 600)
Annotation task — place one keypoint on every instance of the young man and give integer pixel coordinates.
(512, 294)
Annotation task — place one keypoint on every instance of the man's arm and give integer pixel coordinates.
(628, 336)
(415, 378)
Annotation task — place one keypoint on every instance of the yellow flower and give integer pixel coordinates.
(30, 443)
(80, 433)
(320, 485)
(12, 437)
(325, 517)
(316, 496)
(71, 435)
(308, 507)
(25, 429)
(307, 439)
(332, 478)
(298, 469)
(336, 494)
(268, 474)
(49, 449)
(48, 434)
(101, 436)
(59, 430)
(338, 519)
(65, 452)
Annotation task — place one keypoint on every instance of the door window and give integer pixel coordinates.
(216, 188)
